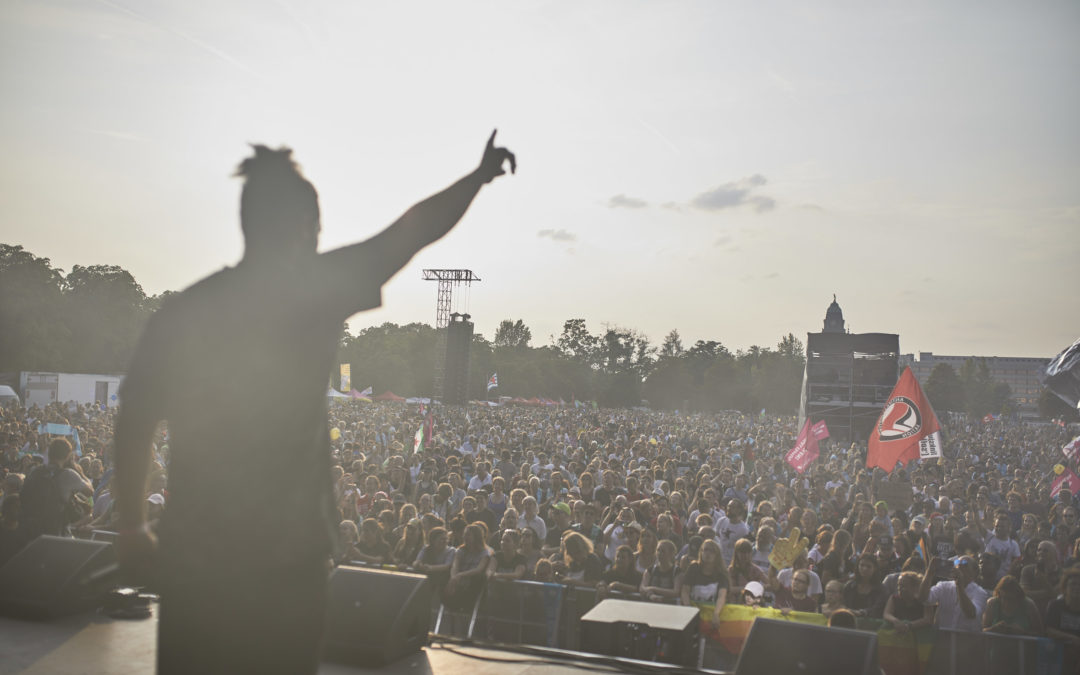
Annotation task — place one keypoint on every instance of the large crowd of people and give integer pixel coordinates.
(664, 507)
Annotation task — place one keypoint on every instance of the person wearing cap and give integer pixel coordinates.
(753, 594)
(918, 525)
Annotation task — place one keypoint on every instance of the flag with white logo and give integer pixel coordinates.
(1067, 479)
(907, 428)
(806, 448)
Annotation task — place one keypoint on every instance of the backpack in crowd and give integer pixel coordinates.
(44, 509)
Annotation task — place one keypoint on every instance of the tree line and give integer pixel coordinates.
(615, 367)
(85, 321)
(89, 319)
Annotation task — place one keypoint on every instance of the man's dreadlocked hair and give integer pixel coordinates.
(278, 206)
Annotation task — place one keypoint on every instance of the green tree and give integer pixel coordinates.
(512, 334)
(983, 394)
(945, 390)
(105, 309)
(672, 345)
(577, 342)
(791, 348)
(33, 335)
(393, 357)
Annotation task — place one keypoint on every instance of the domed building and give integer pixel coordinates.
(834, 318)
(848, 377)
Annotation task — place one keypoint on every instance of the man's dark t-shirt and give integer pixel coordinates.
(238, 364)
(486, 516)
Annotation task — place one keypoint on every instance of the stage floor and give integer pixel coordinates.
(94, 644)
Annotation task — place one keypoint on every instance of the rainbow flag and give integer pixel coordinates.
(898, 653)
(735, 622)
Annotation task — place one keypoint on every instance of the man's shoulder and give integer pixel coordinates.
(70, 476)
(948, 583)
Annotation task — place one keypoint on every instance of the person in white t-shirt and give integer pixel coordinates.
(732, 528)
(482, 477)
(955, 610)
(615, 533)
(531, 519)
(1003, 545)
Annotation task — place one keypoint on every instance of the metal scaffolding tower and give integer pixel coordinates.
(448, 281)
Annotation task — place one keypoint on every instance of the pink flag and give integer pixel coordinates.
(820, 431)
(1067, 479)
(806, 447)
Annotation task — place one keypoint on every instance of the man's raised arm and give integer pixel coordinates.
(426, 222)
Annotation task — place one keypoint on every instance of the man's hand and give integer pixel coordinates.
(491, 165)
(136, 552)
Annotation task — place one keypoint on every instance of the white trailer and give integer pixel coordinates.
(46, 388)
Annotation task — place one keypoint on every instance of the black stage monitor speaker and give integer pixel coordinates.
(376, 617)
(55, 576)
(645, 631)
(788, 647)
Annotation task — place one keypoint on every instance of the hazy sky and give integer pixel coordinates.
(720, 168)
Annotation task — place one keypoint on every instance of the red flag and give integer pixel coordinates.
(1067, 479)
(806, 446)
(907, 429)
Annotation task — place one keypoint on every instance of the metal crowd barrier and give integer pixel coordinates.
(958, 652)
(548, 614)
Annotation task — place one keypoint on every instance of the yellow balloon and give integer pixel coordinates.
(1058, 469)
(335, 434)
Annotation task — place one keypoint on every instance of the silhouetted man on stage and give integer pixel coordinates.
(238, 364)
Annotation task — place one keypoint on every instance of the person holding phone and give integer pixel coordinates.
(960, 601)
